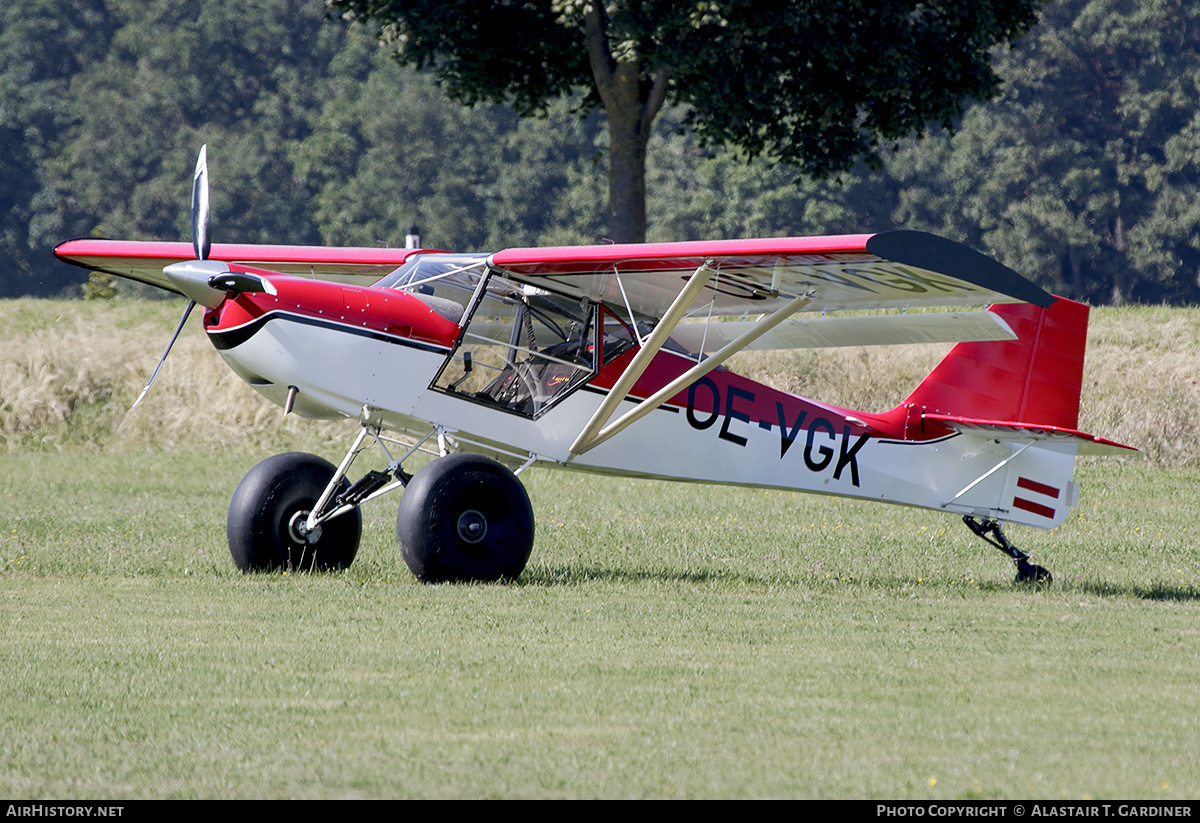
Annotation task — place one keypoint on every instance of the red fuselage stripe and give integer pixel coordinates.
(1036, 487)
(1030, 506)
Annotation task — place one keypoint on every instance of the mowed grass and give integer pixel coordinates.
(665, 641)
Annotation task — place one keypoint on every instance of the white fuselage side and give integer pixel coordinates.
(723, 429)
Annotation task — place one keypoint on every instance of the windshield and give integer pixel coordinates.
(445, 282)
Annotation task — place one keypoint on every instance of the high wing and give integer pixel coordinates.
(897, 269)
(144, 261)
(773, 278)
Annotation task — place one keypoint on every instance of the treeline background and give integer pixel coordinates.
(1084, 175)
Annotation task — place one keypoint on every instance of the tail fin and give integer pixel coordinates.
(1035, 379)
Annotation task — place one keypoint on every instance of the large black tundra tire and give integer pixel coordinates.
(272, 498)
(463, 518)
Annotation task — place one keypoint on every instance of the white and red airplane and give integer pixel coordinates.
(609, 359)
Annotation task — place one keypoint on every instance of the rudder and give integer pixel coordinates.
(1035, 379)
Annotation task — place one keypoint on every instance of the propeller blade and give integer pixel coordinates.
(201, 240)
(191, 305)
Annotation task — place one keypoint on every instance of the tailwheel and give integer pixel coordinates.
(990, 531)
(267, 525)
(465, 518)
(1029, 573)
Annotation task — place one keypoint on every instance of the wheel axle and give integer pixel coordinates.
(472, 526)
(299, 530)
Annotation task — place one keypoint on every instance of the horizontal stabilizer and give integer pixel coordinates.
(832, 332)
(1033, 433)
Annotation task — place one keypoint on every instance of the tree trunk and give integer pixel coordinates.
(1121, 289)
(630, 106)
(627, 139)
(1077, 292)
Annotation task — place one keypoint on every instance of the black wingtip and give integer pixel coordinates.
(937, 254)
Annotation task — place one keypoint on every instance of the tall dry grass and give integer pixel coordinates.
(1139, 383)
(69, 371)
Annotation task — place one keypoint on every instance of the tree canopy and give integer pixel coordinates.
(811, 83)
(1083, 174)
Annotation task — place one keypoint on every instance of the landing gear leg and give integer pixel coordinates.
(990, 531)
(299, 511)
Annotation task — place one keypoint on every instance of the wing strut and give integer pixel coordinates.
(642, 359)
(593, 435)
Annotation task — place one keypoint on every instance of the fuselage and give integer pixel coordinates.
(519, 374)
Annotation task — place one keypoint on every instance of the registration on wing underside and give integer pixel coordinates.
(833, 286)
(830, 332)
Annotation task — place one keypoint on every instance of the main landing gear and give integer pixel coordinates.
(463, 517)
(990, 531)
(268, 526)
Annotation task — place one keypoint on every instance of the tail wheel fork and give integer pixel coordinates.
(990, 531)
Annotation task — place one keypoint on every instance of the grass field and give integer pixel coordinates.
(665, 641)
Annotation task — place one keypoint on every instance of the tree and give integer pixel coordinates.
(240, 75)
(468, 178)
(815, 84)
(43, 44)
(1085, 173)
(696, 194)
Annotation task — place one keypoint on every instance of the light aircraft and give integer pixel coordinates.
(608, 359)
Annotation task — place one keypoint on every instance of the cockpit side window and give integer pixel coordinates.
(523, 349)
